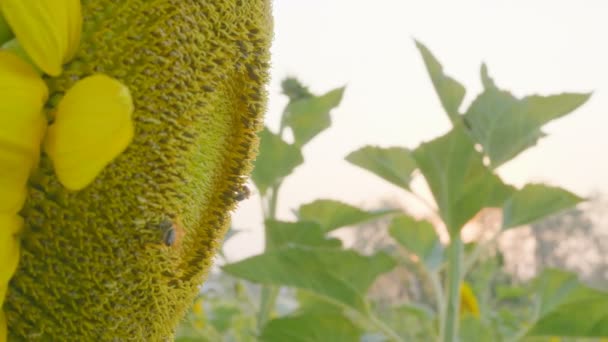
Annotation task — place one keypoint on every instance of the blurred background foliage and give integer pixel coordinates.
(341, 272)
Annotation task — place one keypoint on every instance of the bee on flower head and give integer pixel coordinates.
(242, 194)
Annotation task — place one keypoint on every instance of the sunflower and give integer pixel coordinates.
(90, 126)
(120, 119)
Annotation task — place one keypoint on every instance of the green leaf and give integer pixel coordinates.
(505, 126)
(276, 160)
(451, 93)
(420, 311)
(332, 214)
(309, 116)
(340, 275)
(412, 322)
(294, 89)
(534, 202)
(511, 292)
(555, 287)
(473, 329)
(311, 327)
(458, 179)
(394, 164)
(282, 234)
(308, 302)
(221, 316)
(569, 308)
(419, 238)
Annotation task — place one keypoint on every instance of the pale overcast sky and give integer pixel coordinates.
(529, 46)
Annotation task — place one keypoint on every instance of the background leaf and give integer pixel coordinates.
(309, 116)
(311, 327)
(474, 329)
(276, 159)
(569, 308)
(332, 214)
(506, 126)
(419, 238)
(458, 179)
(536, 201)
(341, 275)
(450, 92)
(283, 234)
(393, 164)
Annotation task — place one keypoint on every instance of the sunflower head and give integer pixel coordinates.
(152, 125)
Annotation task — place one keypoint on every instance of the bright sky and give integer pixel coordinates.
(543, 47)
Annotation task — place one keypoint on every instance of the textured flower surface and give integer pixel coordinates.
(93, 265)
(21, 129)
(94, 115)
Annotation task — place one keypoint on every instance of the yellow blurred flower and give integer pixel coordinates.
(468, 301)
(198, 308)
(200, 319)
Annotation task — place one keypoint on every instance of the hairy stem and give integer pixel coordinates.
(438, 292)
(269, 293)
(453, 299)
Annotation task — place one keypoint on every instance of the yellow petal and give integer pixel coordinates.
(22, 96)
(92, 127)
(74, 13)
(468, 302)
(46, 30)
(15, 170)
(22, 126)
(15, 47)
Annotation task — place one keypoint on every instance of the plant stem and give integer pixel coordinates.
(268, 297)
(438, 292)
(453, 301)
(269, 294)
(268, 300)
(272, 207)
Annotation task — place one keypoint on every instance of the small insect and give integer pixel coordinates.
(242, 194)
(168, 229)
(169, 237)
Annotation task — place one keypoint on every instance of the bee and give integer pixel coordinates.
(169, 237)
(242, 194)
(169, 234)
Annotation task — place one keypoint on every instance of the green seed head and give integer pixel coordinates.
(95, 264)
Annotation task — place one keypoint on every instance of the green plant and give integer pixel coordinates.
(459, 168)
(330, 283)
